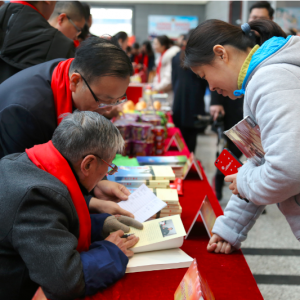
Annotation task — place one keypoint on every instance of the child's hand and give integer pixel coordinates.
(218, 245)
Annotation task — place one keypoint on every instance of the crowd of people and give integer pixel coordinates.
(61, 228)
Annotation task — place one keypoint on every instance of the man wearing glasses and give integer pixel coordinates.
(48, 238)
(34, 101)
(27, 39)
(68, 18)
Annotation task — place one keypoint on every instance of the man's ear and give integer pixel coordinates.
(75, 79)
(61, 18)
(88, 164)
(220, 52)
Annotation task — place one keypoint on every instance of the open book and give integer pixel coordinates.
(246, 136)
(143, 204)
(160, 234)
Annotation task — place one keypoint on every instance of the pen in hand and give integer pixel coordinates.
(126, 235)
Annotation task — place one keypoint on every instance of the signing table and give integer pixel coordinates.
(228, 276)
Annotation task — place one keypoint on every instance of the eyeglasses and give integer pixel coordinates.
(102, 105)
(113, 168)
(75, 26)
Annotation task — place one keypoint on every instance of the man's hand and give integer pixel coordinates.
(218, 245)
(215, 110)
(109, 207)
(109, 190)
(125, 243)
(114, 223)
(233, 185)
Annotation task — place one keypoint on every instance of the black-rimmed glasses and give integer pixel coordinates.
(113, 168)
(101, 105)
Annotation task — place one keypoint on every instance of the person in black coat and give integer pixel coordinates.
(189, 91)
(232, 111)
(29, 113)
(47, 237)
(27, 39)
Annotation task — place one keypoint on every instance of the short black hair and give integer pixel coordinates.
(98, 57)
(164, 41)
(120, 35)
(136, 46)
(264, 4)
(73, 9)
(87, 10)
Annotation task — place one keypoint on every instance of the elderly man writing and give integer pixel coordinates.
(33, 101)
(47, 236)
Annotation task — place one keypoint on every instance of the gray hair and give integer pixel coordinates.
(87, 132)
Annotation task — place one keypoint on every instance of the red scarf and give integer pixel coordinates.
(46, 157)
(159, 66)
(60, 85)
(27, 4)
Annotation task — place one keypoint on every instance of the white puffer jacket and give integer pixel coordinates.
(165, 84)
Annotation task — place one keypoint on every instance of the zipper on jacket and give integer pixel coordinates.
(8, 23)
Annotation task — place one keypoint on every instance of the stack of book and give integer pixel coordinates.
(170, 197)
(151, 176)
(175, 162)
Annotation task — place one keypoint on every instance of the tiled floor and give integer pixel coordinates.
(275, 268)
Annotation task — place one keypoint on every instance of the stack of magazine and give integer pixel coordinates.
(246, 136)
(175, 162)
(151, 176)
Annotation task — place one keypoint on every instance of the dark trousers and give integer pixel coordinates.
(190, 137)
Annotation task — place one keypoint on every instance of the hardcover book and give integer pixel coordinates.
(158, 247)
(144, 173)
(162, 160)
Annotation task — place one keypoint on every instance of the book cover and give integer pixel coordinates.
(193, 286)
(144, 173)
(208, 215)
(134, 184)
(159, 234)
(246, 136)
(162, 160)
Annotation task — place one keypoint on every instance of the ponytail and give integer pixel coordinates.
(266, 29)
(199, 49)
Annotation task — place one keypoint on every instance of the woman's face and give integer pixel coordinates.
(222, 74)
(158, 48)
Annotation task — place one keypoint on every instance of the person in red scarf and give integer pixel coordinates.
(33, 102)
(162, 81)
(68, 17)
(27, 39)
(48, 237)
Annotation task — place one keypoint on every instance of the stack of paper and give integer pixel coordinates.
(175, 162)
(151, 176)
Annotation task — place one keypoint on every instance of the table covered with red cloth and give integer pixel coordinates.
(228, 276)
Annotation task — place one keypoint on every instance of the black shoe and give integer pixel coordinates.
(264, 212)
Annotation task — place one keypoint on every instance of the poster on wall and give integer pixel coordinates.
(172, 26)
(288, 18)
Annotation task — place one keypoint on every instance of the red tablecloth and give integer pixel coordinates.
(228, 276)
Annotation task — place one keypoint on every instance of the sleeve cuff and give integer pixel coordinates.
(103, 265)
(97, 221)
(88, 200)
